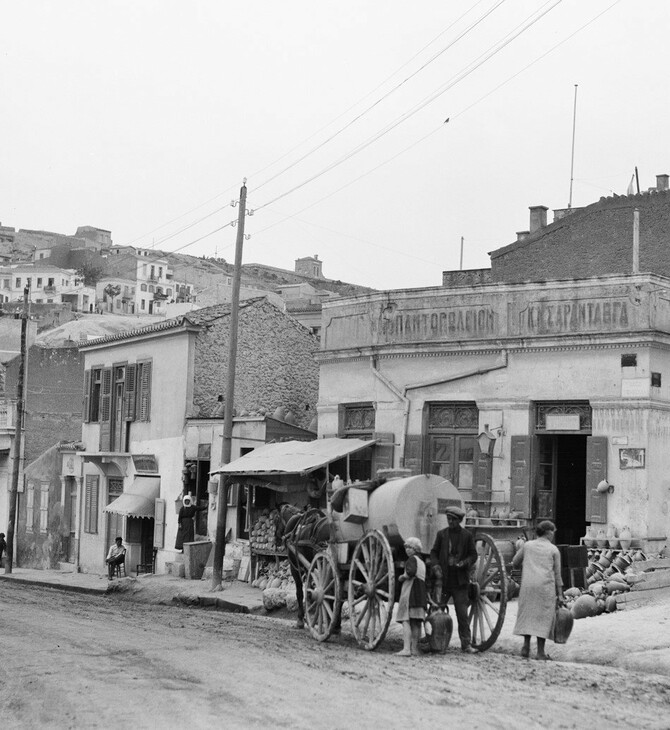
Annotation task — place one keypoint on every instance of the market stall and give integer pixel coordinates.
(295, 472)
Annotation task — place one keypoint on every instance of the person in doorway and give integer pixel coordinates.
(541, 588)
(115, 556)
(3, 546)
(452, 558)
(412, 603)
(186, 521)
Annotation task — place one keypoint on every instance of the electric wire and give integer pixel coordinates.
(290, 151)
(483, 58)
(434, 57)
(437, 129)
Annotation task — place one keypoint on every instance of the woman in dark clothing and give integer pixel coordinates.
(412, 603)
(186, 522)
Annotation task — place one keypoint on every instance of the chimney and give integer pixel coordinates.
(538, 217)
(662, 182)
(520, 235)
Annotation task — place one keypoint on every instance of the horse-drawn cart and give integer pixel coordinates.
(348, 557)
(365, 556)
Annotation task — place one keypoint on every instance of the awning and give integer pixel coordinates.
(138, 499)
(293, 457)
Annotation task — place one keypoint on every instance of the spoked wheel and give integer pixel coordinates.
(488, 605)
(371, 592)
(323, 601)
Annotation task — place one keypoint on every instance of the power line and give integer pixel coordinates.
(483, 58)
(434, 131)
(386, 95)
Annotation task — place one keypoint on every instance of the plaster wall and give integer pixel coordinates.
(530, 349)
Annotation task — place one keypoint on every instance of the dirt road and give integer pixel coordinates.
(77, 661)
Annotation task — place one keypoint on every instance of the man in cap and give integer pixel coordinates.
(452, 558)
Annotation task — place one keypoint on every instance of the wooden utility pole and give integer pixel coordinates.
(222, 497)
(18, 434)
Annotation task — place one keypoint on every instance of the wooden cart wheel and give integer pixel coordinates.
(488, 605)
(371, 592)
(323, 596)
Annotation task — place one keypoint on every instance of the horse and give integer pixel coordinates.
(303, 534)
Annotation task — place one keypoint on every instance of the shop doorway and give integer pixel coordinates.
(560, 494)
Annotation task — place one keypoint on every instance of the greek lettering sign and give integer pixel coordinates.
(586, 315)
(460, 322)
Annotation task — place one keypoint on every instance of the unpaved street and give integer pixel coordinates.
(78, 661)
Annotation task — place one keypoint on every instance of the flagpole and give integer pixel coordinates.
(572, 157)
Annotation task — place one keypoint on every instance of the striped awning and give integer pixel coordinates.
(139, 499)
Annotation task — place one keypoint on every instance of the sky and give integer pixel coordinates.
(144, 118)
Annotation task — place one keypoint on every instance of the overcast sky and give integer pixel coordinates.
(143, 118)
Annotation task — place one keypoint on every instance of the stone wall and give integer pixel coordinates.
(275, 363)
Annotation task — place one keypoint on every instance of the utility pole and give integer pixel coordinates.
(18, 433)
(461, 253)
(222, 497)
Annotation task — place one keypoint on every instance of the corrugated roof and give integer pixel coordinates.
(293, 457)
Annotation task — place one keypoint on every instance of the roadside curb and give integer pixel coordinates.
(57, 586)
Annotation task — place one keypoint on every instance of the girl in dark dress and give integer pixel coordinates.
(412, 604)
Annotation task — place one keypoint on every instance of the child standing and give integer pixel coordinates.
(412, 603)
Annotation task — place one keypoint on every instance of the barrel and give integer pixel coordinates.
(401, 508)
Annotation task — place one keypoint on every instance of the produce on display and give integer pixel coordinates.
(262, 535)
(277, 585)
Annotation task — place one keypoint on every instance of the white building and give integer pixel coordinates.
(47, 284)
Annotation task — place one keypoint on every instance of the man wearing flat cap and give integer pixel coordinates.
(452, 558)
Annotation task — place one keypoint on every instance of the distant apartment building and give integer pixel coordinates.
(47, 285)
(139, 284)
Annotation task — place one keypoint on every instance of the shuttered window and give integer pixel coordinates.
(105, 409)
(159, 523)
(129, 393)
(30, 507)
(143, 391)
(91, 503)
(44, 508)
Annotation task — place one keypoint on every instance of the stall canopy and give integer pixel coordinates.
(293, 457)
(139, 499)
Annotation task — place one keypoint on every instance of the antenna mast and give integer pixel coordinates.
(572, 157)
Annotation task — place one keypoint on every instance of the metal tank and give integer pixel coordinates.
(401, 508)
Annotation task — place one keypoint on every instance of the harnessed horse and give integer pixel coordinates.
(303, 534)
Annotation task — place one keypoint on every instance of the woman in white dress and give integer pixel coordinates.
(541, 588)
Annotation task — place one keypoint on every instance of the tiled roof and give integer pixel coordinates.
(198, 318)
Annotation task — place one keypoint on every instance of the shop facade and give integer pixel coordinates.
(545, 400)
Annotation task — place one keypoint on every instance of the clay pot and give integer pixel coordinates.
(625, 538)
(622, 562)
(601, 538)
(613, 542)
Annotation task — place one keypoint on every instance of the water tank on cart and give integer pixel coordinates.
(401, 508)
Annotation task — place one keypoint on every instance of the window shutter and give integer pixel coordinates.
(106, 409)
(129, 393)
(44, 508)
(382, 455)
(481, 484)
(91, 504)
(144, 387)
(520, 486)
(159, 523)
(86, 410)
(30, 507)
(412, 458)
(596, 471)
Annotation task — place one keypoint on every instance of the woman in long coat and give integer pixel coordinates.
(541, 587)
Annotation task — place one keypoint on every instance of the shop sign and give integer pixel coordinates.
(587, 315)
(456, 322)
